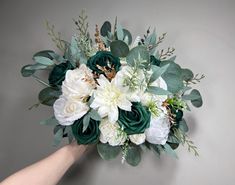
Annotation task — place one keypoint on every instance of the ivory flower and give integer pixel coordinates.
(137, 138)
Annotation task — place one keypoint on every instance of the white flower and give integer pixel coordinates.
(68, 110)
(108, 97)
(111, 133)
(134, 80)
(158, 131)
(78, 83)
(137, 138)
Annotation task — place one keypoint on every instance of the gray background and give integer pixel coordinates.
(202, 33)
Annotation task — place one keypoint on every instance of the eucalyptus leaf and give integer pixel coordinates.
(44, 53)
(167, 148)
(105, 28)
(43, 60)
(27, 72)
(85, 122)
(158, 71)
(94, 115)
(52, 121)
(108, 152)
(191, 96)
(196, 102)
(127, 35)
(57, 57)
(120, 33)
(151, 39)
(157, 149)
(69, 132)
(119, 48)
(186, 74)
(58, 137)
(36, 67)
(134, 54)
(174, 82)
(183, 125)
(157, 90)
(48, 96)
(133, 156)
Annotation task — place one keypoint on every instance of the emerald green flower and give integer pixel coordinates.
(103, 60)
(136, 120)
(90, 135)
(57, 75)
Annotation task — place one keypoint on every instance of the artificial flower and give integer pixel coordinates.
(78, 83)
(137, 138)
(68, 110)
(90, 135)
(136, 120)
(108, 97)
(158, 131)
(111, 133)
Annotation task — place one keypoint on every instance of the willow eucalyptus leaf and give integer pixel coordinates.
(133, 156)
(26, 72)
(43, 60)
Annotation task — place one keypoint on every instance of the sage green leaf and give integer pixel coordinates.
(151, 39)
(105, 28)
(85, 122)
(134, 54)
(127, 35)
(52, 121)
(196, 102)
(158, 71)
(157, 90)
(58, 137)
(57, 57)
(108, 152)
(48, 96)
(174, 82)
(43, 60)
(133, 156)
(120, 33)
(94, 115)
(157, 149)
(36, 67)
(119, 48)
(69, 132)
(76, 53)
(191, 96)
(44, 53)
(183, 125)
(186, 74)
(172, 139)
(27, 72)
(167, 148)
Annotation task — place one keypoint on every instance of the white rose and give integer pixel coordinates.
(137, 138)
(111, 133)
(78, 83)
(68, 110)
(158, 131)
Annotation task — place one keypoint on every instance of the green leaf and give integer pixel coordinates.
(172, 139)
(134, 54)
(58, 137)
(186, 74)
(44, 53)
(158, 71)
(43, 60)
(183, 126)
(105, 28)
(120, 33)
(119, 48)
(157, 90)
(157, 149)
(196, 102)
(127, 37)
(94, 115)
(52, 121)
(191, 96)
(85, 122)
(69, 132)
(27, 72)
(174, 82)
(48, 96)
(151, 39)
(167, 148)
(108, 152)
(133, 156)
(36, 67)
(57, 57)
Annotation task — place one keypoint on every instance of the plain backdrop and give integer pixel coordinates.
(203, 33)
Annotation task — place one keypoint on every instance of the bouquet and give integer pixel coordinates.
(122, 94)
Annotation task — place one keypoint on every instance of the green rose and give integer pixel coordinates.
(90, 135)
(103, 61)
(57, 75)
(136, 120)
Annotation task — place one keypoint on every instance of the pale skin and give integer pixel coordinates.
(50, 170)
